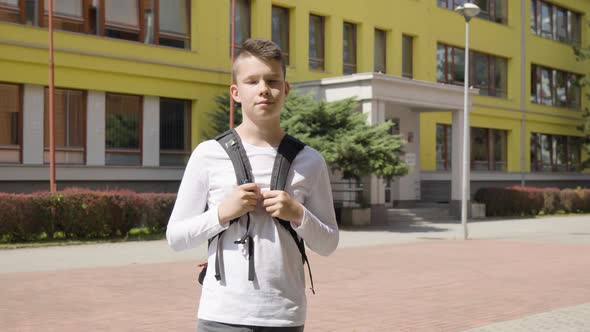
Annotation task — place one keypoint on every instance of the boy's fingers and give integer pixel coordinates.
(271, 193)
(249, 186)
(270, 201)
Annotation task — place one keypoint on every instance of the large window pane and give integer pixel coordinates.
(174, 20)
(70, 8)
(407, 56)
(441, 63)
(280, 30)
(349, 48)
(500, 149)
(380, 51)
(10, 123)
(459, 65)
(481, 73)
(576, 28)
(175, 125)
(443, 147)
(561, 24)
(69, 126)
(316, 42)
(242, 29)
(123, 129)
(480, 149)
(500, 77)
(546, 21)
(122, 19)
(546, 90)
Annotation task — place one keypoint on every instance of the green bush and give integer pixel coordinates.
(81, 214)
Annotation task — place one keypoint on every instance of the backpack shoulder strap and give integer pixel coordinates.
(288, 150)
(232, 144)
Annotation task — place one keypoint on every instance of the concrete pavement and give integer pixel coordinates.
(514, 275)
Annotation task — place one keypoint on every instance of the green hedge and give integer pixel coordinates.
(81, 214)
(530, 201)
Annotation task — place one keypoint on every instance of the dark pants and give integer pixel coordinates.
(209, 326)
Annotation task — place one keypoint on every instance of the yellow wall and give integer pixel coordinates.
(199, 74)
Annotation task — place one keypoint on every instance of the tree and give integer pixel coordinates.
(583, 54)
(338, 131)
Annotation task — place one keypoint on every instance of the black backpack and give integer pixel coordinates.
(287, 151)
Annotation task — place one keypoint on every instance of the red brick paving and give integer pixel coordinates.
(427, 286)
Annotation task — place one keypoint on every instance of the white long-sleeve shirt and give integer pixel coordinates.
(276, 297)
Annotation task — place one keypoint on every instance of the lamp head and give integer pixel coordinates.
(468, 10)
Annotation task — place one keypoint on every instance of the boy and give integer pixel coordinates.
(275, 299)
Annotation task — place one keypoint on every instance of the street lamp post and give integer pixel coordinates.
(468, 11)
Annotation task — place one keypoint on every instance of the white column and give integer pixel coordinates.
(33, 107)
(151, 131)
(375, 111)
(95, 134)
(457, 164)
(410, 131)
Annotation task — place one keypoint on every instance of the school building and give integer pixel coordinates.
(136, 80)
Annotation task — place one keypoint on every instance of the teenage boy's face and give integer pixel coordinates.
(260, 87)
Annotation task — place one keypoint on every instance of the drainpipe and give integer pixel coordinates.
(522, 89)
(232, 48)
(52, 185)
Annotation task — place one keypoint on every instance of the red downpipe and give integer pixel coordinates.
(52, 185)
(232, 47)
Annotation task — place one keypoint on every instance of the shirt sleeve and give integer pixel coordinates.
(190, 223)
(318, 228)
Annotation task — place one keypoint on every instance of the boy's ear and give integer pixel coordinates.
(233, 91)
(287, 88)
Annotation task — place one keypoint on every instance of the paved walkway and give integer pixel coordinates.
(513, 275)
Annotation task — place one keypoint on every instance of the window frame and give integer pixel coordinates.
(572, 37)
(384, 53)
(20, 135)
(347, 67)
(140, 131)
(84, 128)
(536, 153)
(537, 92)
(488, 13)
(405, 40)
(321, 62)
(492, 62)
(286, 53)
(188, 149)
(237, 45)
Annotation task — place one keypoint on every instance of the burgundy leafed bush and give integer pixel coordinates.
(81, 214)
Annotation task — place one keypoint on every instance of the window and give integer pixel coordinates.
(123, 129)
(10, 123)
(69, 126)
(175, 132)
(67, 15)
(280, 30)
(380, 52)
(554, 22)
(554, 87)
(407, 56)
(491, 10)
(443, 147)
(135, 20)
(349, 48)
(20, 11)
(10, 11)
(488, 73)
(316, 42)
(242, 30)
(555, 153)
(488, 149)
(173, 23)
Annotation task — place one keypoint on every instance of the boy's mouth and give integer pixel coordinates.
(266, 102)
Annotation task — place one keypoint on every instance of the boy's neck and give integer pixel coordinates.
(260, 135)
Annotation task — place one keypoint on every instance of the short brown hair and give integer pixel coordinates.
(263, 49)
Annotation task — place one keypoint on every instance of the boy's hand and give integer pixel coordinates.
(280, 205)
(241, 200)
